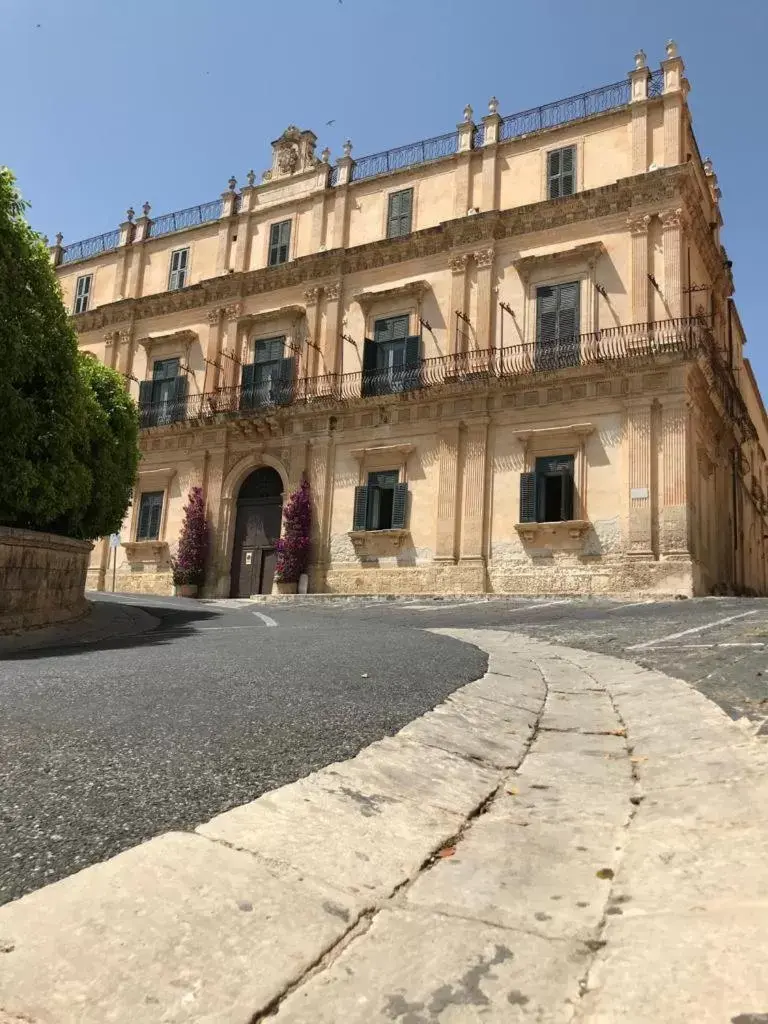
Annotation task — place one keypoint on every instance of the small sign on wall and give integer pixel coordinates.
(249, 558)
(639, 492)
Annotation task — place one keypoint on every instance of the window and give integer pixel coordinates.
(268, 380)
(279, 243)
(179, 264)
(561, 172)
(391, 358)
(399, 212)
(83, 293)
(150, 515)
(163, 399)
(557, 325)
(547, 494)
(382, 503)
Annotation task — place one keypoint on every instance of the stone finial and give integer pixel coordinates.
(251, 178)
(325, 156)
(347, 148)
(468, 112)
(232, 183)
(493, 105)
(145, 209)
(671, 48)
(708, 167)
(641, 60)
(45, 240)
(130, 213)
(59, 238)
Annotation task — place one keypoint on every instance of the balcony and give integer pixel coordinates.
(688, 338)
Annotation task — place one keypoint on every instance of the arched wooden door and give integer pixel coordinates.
(257, 529)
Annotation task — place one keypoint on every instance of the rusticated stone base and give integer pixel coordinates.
(42, 578)
(647, 578)
(160, 583)
(467, 578)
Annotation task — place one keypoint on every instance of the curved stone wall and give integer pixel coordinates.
(42, 578)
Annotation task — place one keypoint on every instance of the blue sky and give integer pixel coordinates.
(109, 103)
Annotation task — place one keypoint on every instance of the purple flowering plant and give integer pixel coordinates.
(188, 566)
(293, 546)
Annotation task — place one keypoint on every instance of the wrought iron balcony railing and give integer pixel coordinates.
(91, 247)
(687, 337)
(192, 217)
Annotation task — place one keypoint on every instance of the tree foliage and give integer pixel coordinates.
(189, 564)
(68, 427)
(293, 546)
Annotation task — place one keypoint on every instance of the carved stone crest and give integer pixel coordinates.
(292, 153)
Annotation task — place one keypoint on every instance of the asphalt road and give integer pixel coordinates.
(107, 744)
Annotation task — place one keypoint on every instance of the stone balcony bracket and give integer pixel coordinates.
(546, 532)
(377, 543)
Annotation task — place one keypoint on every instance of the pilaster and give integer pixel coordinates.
(673, 508)
(226, 222)
(445, 544)
(638, 229)
(320, 459)
(229, 376)
(638, 98)
(639, 442)
(675, 88)
(124, 342)
(458, 264)
(213, 350)
(331, 344)
(672, 244)
(311, 364)
(462, 198)
(485, 307)
(474, 443)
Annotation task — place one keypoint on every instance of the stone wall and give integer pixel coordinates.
(42, 578)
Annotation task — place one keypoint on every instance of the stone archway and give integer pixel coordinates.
(257, 528)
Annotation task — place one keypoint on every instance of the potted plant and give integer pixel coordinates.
(188, 566)
(293, 546)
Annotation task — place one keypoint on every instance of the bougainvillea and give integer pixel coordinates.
(293, 546)
(189, 564)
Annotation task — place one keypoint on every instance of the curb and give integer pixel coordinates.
(100, 621)
(541, 844)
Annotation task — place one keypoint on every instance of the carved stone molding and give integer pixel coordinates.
(377, 543)
(213, 316)
(672, 218)
(396, 451)
(459, 262)
(109, 338)
(484, 257)
(124, 336)
(639, 225)
(332, 292)
(411, 289)
(180, 338)
(588, 254)
(544, 533)
(311, 294)
(292, 312)
(233, 311)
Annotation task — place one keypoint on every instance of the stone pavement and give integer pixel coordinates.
(570, 838)
(103, 621)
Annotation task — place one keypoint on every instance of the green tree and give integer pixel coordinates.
(108, 447)
(68, 427)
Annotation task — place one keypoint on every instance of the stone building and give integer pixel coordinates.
(507, 359)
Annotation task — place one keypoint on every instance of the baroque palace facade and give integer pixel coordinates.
(507, 359)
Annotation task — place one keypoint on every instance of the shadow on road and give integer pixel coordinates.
(175, 621)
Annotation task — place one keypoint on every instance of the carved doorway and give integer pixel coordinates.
(257, 529)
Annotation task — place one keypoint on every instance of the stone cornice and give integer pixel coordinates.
(185, 338)
(588, 253)
(403, 291)
(643, 192)
(292, 312)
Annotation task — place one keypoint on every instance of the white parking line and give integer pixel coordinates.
(265, 619)
(623, 607)
(544, 604)
(687, 632)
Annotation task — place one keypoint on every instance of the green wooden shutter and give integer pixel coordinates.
(527, 497)
(247, 378)
(553, 174)
(567, 171)
(566, 507)
(142, 529)
(179, 409)
(406, 207)
(155, 514)
(546, 314)
(369, 367)
(360, 514)
(412, 374)
(146, 413)
(285, 377)
(568, 310)
(400, 506)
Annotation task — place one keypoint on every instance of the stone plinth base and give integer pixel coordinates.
(42, 578)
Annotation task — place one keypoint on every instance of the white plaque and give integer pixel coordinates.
(639, 492)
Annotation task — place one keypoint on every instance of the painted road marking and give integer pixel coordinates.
(544, 604)
(623, 607)
(265, 619)
(687, 632)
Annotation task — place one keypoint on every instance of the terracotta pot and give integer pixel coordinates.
(283, 587)
(185, 590)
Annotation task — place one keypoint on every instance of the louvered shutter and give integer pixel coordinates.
(412, 363)
(247, 378)
(369, 367)
(566, 506)
(553, 174)
(284, 383)
(546, 314)
(146, 412)
(360, 514)
(285, 241)
(406, 205)
(527, 497)
(400, 506)
(144, 513)
(155, 514)
(179, 407)
(568, 310)
(567, 168)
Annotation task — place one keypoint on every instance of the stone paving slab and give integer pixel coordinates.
(581, 712)
(721, 805)
(692, 969)
(562, 799)
(477, 736)
(177, 929)
(425, 968)
(556, 866)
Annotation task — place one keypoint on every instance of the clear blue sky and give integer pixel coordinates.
(109, 103)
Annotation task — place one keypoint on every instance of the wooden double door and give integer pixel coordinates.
(257, 530)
